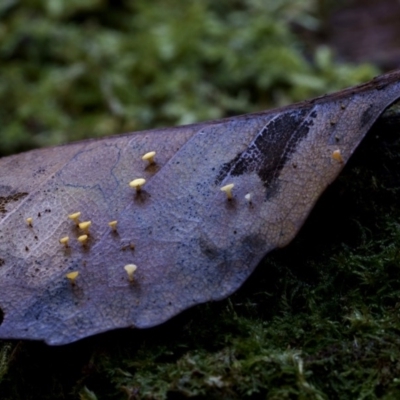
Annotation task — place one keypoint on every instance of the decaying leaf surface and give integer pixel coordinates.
(189, 243)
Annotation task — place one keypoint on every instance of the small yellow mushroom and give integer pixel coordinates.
(149, 157)
(228, 190)
(249, 198)
(113, 225)
(64, 241)
(137, 184)
(83, 239)
(29, 221)
(130, 270)
(71, 276)
(337, 156)
(75, 217)
(84, 226)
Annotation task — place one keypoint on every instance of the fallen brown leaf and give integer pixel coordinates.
(189, 242)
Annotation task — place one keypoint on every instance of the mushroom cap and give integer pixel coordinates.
(82, 238)
(137, 183)
(85, 224)
(130, 269)
(337, 155)
(64, 239)
(113, 224)
(228, 188)
(248, 196)
(74, 215)
(149, 156)
(29, 220)
(72, 275)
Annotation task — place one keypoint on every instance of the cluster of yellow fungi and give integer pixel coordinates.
(83, 239)
(137, 184)
(85, 225)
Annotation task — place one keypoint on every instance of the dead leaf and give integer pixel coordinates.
(189, 243)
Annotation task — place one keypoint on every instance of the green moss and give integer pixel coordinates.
(78, 69)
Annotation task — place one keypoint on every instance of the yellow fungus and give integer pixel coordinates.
(29, 221)
(83, 239)
(228, 190)
(75, 217)
(71, 276)
(64, 241)
(149, 157)
(130, 270)
(113, 225)
(84, 226)
(137, 184)
(337, 156)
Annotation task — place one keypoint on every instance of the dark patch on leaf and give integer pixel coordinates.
(367, 115)
(208, 248)
(4, 200)
(272, 147)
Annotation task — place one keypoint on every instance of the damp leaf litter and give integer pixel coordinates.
(194, 208)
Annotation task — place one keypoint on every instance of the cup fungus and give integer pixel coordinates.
(71, 276)
(83, 239)
(337, 155)
(64, 241)
(29, 221)
(137, 184)
(84, 226)
(75, 217)
(149, 157)
(228, 190)
(113, 225)
(130, 270)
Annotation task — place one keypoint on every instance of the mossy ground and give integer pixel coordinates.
(317, 320)
(88, 68)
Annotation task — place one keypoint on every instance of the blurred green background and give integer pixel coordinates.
(318, 320)
(87, 68)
